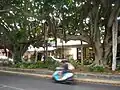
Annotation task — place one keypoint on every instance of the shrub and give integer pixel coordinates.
(96, 68)
(50, 64)
(75, 63)
(118, 67)
(31, 66)
(5, 62)
(41, 64)
(17, 65)
(53, 66)
(88, 61)
(22, 65)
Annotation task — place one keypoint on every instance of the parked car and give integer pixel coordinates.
(4, 60)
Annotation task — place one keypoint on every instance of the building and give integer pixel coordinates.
(73, 48)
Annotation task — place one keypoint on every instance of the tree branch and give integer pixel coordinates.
(79, 37)
(103, 2)
(118, 40)
(114, 14)
(3, 11)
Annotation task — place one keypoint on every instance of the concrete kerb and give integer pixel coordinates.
(25, 73)
(97, 81)
(79, 77)
(35, 71)
(98, 76)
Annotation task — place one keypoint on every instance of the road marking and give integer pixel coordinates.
(10, 87)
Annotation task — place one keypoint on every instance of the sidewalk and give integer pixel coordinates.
(79, 77)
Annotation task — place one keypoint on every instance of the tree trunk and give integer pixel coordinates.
(17, 53)
(82, 62)
(17, 57)
(45, 41)
(102, 53)
(36, 56)
(98, 54)
(114, 40)
(106, 53)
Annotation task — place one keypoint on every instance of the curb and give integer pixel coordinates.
(114, 83)
(98, 76)
(78, 80)
(25, 73)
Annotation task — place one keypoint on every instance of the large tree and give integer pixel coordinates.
(87, 20)
(91, 21)
(27, 22)
(20, 28)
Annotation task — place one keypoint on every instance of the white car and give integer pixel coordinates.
(5, 59)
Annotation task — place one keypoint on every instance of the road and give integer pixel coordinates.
(21, 82)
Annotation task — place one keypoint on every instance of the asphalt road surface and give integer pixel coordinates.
(21, 82)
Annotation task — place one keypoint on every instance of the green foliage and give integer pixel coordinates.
(20, 65)
(50, 64)
(75, 63)
(96, 68)
(18, 30)
(29, 65)
(22, 25)
(35, 65)
(88, 61)
(118, 67)
(5, 62)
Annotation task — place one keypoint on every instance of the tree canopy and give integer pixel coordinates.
(31, 21)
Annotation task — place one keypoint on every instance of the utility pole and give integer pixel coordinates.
(114, 43)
